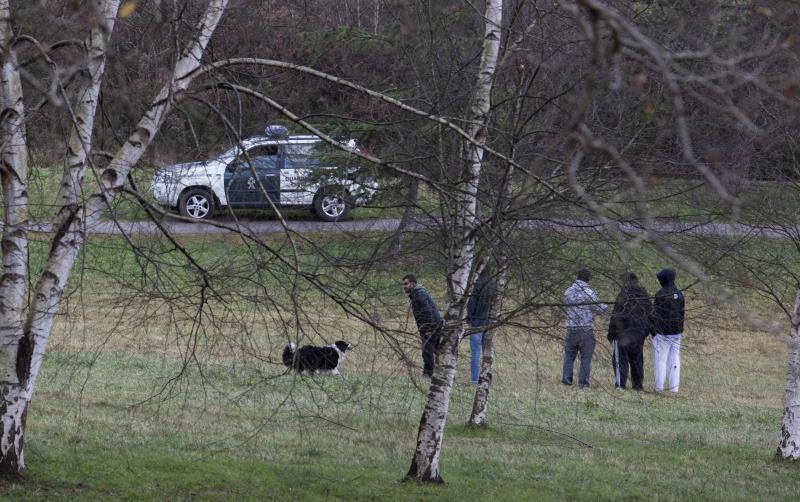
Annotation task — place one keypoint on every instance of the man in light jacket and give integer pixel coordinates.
(668, 314)
(581, 305)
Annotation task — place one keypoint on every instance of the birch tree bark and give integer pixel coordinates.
(500, 232)
(14, 173)
(425, 462)
(789, 443)
(65, 249)
(23, 346)
(69, 230)
(477, 417)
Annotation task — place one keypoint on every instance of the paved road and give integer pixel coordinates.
(669, 227)
(258, 227)
(228, 225)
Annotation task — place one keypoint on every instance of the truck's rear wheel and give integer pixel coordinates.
(197, 204)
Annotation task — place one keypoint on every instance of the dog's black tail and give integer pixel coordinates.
(288, 355)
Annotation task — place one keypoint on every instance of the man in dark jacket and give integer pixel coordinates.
(478, 307)
(628, 329)
(429, 322)
(668, 315)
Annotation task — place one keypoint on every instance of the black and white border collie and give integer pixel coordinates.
(316, 359)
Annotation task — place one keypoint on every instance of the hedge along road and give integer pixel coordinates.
(258, 227)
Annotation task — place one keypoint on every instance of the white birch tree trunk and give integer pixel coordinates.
(14, 173)
(478, 416)
(499, 228)
(73, 218)
(63, 253)
(69, 230)
(425, 463)
(789, 442)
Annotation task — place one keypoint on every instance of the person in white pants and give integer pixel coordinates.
(667, 361)
(668, 317)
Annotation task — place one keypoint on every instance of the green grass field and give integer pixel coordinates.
(247, 431)
(137, 402)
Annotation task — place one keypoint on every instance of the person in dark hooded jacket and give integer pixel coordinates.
(478, 309)
(668, 316)
(429, 321)
(628, 329)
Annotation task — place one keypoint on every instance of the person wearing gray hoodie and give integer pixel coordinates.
(580, 305)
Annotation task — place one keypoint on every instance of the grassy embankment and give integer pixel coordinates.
(117, 415)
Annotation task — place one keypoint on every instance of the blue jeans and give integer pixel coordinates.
(475, 347)
(581, 340)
